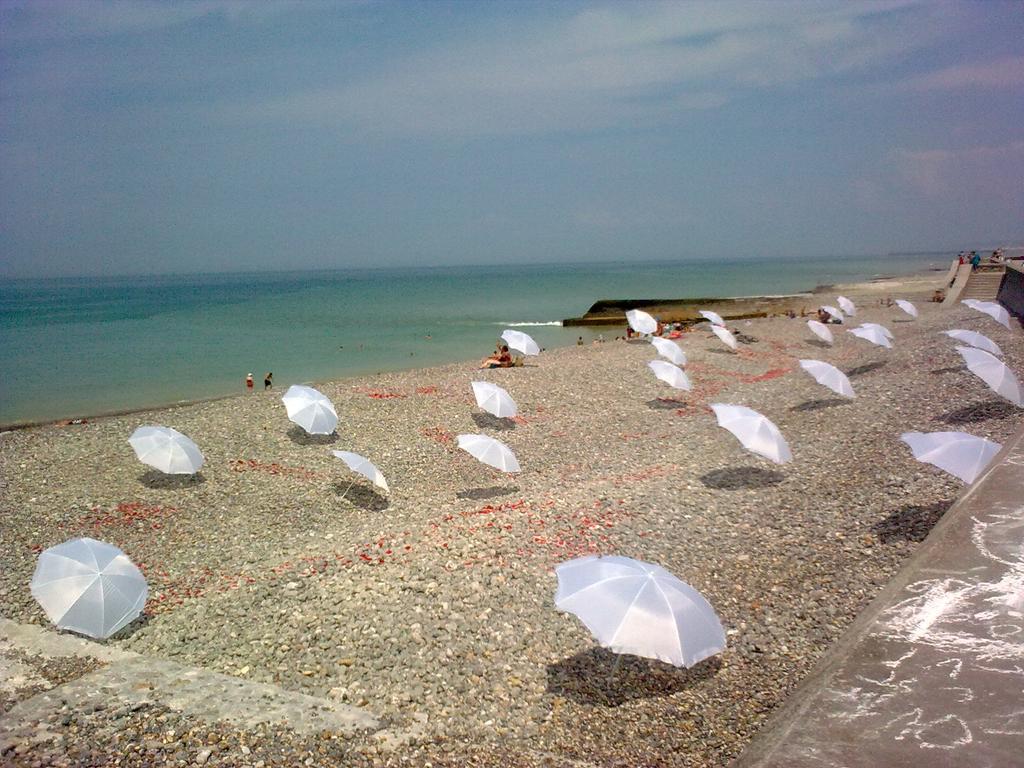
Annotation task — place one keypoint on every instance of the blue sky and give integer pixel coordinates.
(142, 137)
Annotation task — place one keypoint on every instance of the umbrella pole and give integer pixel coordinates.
(345, 493)
(612, 673)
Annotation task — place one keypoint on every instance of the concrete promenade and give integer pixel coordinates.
(932, 674)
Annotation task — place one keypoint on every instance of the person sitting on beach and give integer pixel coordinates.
(501, 360)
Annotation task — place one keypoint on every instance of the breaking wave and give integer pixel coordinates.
(513, 325)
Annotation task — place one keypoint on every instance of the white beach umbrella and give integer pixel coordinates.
(873, 335)
(847, 306)
(975, 339)
(641, 322)
(669, 350)
(755, 431)
(820, 330)
(89, 587)
(494, 399)
(639, 608)
(992, 309)
(167, 450)
(670, 374)
(829, 376)
(880, 328)
(993, 372)
(837, 314)
(520, 342)
(958, 453)
(713, 317)
(310, 409)
(489, 451)
(907, 307)
(725, 335)
(364, 467)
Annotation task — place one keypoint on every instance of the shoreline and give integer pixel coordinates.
(865, 285)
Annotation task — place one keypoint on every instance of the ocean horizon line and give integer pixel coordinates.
(646, 262)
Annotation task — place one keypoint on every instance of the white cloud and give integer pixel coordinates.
(622, 65)
(992, 172)
(1004, 72)
(38, 20)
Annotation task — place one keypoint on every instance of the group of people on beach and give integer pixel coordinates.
(974, 258)
(268, 381)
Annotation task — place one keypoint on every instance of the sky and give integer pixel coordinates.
(221, 135)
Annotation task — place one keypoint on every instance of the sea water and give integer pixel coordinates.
(73, 347)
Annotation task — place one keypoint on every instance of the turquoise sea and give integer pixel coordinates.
(73, 347)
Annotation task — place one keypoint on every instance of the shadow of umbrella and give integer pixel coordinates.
(598, 677)
(362, 496)
(866, 368)
(910, 523)
(741, 478)
(990, 409)
(129, 629)
(819, 343)
(157, 480)
(299, 436)
(817, 405)
(665, 404)
(948, 369)
(489, 421)
(478, 494)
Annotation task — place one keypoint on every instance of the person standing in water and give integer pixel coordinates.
(268, 381)
(248, 381)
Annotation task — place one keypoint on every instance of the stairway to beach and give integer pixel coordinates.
(983, 284)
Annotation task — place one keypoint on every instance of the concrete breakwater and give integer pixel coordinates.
(612, 311)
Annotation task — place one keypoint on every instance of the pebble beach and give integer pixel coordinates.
(431, 606)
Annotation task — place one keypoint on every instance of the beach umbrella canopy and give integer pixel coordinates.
(725, 335)
(713, 317)
(847, 306)
(829, 376)
(670, 374)
(494, 399)
(837, 314)
(993, 372)
(669, 350)
(167, 450)
(958, 453)
(364, 467)
(873, 335)
(880, 328)
(907, 307)
(489, 451)
(89, 587)
(641, 322)
(520, 342)
(992, 309)
(310, 409)
(975, 339)
(755, 431)
(820, 330)
(639, 608)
